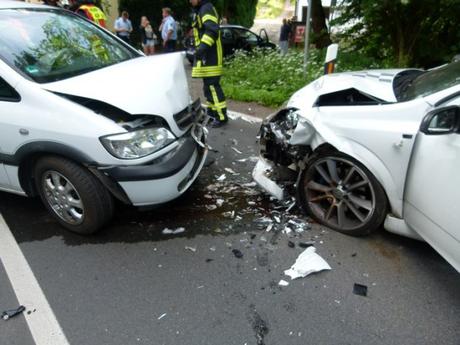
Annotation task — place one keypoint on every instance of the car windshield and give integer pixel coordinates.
(51, 45)
(431, 82)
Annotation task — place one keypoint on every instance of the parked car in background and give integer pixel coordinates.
(80, 123)
(234, 37)
(372, 147)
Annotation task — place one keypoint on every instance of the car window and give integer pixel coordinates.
(248, 36)
(7, 93)
(51, 45)
(431, 82)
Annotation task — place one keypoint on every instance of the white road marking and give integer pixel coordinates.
(42, 322)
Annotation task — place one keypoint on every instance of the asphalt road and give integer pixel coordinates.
(130, 284)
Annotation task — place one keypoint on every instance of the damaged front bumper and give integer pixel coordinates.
(166, 177)
(283, 149)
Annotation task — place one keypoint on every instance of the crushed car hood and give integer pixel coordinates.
(376, 83)
(146, 85)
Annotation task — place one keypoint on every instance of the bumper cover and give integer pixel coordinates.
(163, 180)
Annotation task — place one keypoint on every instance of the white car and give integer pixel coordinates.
(372, 147)
(86, 119)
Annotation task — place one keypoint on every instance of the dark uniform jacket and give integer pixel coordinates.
(208, 45)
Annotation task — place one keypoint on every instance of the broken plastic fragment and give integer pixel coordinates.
(211, 207)
(283, 283)
(360, 290)
(291, 244)
(162, 316)
(308, 262)
(192, 249)
(236, 150)
(231, 171)
(306, 244)
(221, 178)
(8, 314)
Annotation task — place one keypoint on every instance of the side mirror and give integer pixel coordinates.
(441, 121)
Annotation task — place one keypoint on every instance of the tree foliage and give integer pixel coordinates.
(409, 32)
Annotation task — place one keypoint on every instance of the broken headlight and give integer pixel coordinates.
(139, 143)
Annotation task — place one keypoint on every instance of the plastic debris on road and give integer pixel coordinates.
(360, 290)
(221, 178)
(162, 316)
(307, 263)
(167, 231)
(283, 283)
(192, 249)
(238, 254)
(8, 314)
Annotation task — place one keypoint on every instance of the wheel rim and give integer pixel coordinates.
(339, 193)
(63, 198)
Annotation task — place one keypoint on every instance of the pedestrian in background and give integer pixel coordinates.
(148, 37)
(209, 58)
(168, 30)
(123, 27)
(285, 34)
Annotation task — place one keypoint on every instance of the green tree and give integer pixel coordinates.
(409, 32)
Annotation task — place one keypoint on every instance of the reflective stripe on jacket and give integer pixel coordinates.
(94, 14)
(208, 44)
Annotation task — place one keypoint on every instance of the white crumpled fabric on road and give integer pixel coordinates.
(307, 263)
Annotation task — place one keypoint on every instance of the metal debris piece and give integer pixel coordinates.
(238, 254)
(360, 290)
(162, 316)
(167, 231)
(236, 150)
(220, 202)
(221, 178)
(307, 263)
(269, 227)
(8, 314)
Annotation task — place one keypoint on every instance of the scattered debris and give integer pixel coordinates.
(360, 290)
(238, 254)
(236, 150)
(283, 283)
(192, 249)
(230, 171)
(291, 244)
(8, 314)
(167, 231)
(306, 244)
(162, 316)
(211, 207)
(221, 178)
(354, 255)
(308, 262)
(209, 260)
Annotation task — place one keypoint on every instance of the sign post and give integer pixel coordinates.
(307, 34)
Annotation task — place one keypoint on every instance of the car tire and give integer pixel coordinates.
(73, 195)
(341, 193)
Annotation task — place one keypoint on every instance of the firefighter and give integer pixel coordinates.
(88, 9)
(208, 58)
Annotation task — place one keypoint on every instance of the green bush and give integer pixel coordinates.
(270, 79)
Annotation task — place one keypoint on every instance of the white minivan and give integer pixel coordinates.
(86, 119)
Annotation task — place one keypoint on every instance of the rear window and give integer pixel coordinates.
(51, 45)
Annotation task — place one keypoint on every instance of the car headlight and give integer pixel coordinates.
(137, 144)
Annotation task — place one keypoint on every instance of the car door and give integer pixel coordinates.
(432, 195)
(7, 96)
(228, 41)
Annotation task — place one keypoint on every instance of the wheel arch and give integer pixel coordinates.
(27, 156)
(324, 141)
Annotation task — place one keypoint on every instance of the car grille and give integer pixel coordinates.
(187, 116)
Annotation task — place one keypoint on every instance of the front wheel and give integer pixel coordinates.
(73, 195)
(342, 194)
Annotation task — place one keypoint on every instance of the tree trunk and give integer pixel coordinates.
(321, 37)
